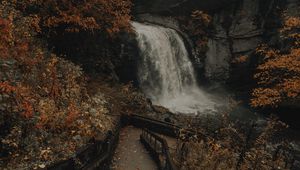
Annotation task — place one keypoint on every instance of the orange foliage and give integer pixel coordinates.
(5, 37)
(229, 146)
(28, 74)
(240, 59)
(265, 96)
(197, 26)
(41, 94)
(201, 17)
(42, 121)
(72, 114)
(111, 16)
(28, 110)
(52, 75)
(6, 88)
(291, 23)
(279, 75)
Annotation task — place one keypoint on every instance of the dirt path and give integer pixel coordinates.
(130, 153)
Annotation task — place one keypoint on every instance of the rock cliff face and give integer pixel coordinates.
(237, 32)
(239, 26)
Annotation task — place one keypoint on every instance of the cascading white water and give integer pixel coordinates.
(165, 71)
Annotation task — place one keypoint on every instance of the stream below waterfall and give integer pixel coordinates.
(165, 72)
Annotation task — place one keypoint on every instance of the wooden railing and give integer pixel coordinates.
(98, 154)
(95, 155)
(160, 127)
(158, 149)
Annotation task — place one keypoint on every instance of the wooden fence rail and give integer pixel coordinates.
(159, 150)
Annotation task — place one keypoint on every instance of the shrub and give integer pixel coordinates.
(279, 74)
(232, 146)
(44, 105)
(111, 16)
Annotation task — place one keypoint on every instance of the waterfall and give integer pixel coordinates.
(165, 71)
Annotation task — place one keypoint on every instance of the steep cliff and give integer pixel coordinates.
(239, 26)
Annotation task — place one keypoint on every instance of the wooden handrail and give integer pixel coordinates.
(161, 127)
(160, 147)
(155, 120)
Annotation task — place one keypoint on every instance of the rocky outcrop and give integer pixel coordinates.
(236, 32)
(236, 28)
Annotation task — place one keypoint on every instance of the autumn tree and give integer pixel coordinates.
(233, 145)
(110, 16)
(82, 31)
(278, 76)
(41, 95)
